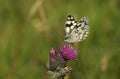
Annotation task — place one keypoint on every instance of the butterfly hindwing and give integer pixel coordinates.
(76, 30)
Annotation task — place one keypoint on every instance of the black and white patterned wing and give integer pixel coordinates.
(70, 24)
(82, 29)
(76, 30)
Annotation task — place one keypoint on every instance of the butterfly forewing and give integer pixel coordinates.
(76, 30)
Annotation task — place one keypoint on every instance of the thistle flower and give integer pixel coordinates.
(52, 55)
(68, 52)
(56, 60)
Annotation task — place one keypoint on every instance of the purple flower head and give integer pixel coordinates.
(52, 52)
(56, 60)
(52, 55)
(68, 52)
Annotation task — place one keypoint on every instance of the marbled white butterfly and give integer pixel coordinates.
(76, 30)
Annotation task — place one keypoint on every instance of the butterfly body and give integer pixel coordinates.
(76, 30)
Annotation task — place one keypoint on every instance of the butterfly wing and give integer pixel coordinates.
(69, 28)
(76, 30)
(70, 24)
(82, 29)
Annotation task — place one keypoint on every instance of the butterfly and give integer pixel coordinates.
(76, 30)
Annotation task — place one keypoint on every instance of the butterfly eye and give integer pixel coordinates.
(70, 18)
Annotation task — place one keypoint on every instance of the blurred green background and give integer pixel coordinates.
(30, 28)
